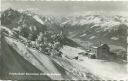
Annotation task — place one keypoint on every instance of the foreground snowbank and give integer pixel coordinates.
(105, 69)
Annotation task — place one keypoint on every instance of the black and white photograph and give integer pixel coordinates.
(63, 40)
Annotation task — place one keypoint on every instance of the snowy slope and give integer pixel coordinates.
(105, 69)
(48, 64)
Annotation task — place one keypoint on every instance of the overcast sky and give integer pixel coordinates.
(69, 8)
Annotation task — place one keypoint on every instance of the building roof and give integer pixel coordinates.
(71, 50)
(95, 47)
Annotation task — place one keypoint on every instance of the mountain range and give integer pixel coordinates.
(89, 30)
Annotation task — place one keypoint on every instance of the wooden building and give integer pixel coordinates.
(101, 52)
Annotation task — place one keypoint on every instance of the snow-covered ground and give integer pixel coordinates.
(80, 68)
(102, 68)
(47, 64)
(71, 52)
(105, 69)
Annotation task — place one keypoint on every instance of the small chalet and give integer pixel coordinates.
(101, 52)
